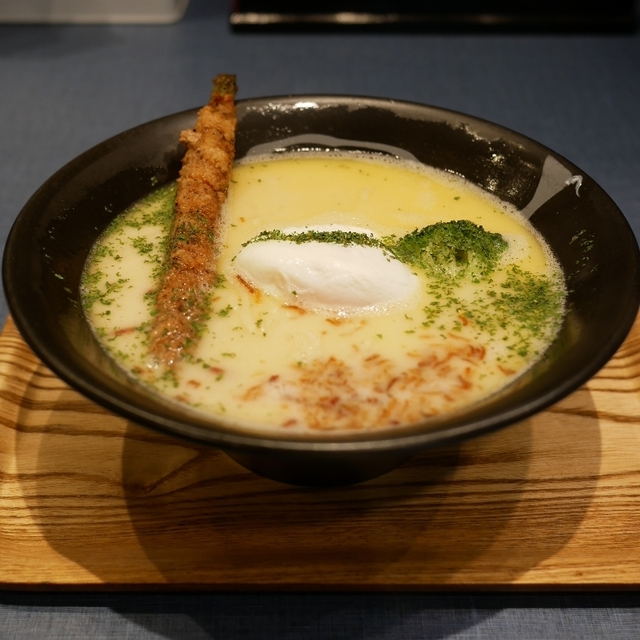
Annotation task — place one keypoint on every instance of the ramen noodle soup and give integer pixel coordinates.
(353, 293)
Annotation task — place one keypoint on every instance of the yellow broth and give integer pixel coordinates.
(266, 363)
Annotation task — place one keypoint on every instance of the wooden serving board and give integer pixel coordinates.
(88, 499)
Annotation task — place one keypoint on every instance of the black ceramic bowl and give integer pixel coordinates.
(53, 234)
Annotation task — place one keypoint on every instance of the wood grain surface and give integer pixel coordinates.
(88, 499)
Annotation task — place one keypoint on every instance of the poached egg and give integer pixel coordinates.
(325, 276)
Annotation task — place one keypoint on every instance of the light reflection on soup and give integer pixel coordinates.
(279, 358)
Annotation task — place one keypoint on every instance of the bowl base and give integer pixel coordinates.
(319, 469)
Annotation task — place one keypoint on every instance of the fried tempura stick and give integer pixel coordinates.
(182, 300)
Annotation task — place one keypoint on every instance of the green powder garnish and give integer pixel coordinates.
(450, 249)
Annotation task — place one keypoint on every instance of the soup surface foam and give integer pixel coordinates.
(325, 317)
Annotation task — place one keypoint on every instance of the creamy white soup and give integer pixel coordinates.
(354, 293)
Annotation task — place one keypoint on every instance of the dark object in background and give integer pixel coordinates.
(426, 15)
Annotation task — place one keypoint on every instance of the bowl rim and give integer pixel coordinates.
(359, 442)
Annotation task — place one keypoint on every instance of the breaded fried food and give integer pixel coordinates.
(183, 296)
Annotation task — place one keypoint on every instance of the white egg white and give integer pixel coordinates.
(328, 277)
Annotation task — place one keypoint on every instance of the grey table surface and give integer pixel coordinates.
(66, 88)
